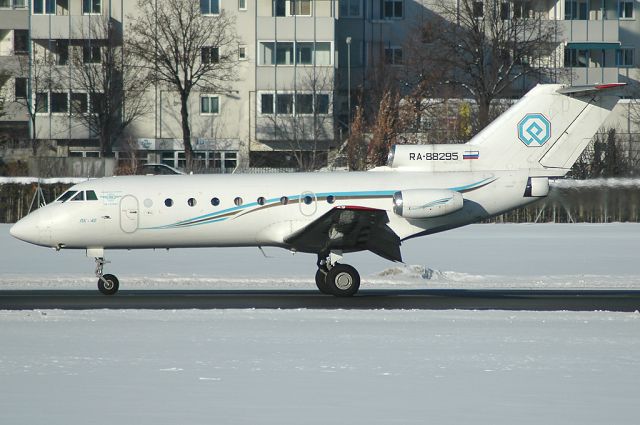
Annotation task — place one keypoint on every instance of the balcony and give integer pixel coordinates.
(14, 19)
(295, 28)
(65, 27)
(592, 75)
(590, 31)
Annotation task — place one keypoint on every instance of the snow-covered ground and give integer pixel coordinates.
(317, 367)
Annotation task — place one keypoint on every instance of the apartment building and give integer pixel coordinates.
(297, 63)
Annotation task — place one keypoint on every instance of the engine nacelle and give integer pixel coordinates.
(426, 203)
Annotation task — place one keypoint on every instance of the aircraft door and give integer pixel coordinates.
(308, 203)
(129, 214)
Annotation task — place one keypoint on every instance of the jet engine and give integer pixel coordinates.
(426, 203)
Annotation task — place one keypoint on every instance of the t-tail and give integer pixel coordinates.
(544, 132)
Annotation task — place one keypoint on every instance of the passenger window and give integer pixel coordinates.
(68, 194)
(192, 202)
(78, 197)
(238, 201)
(284, 200)
(331, 199)
(215, 202)
(91, 195)
(168, 202)
(261, 200)
(308, 199)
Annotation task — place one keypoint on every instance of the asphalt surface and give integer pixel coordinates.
(434, 299)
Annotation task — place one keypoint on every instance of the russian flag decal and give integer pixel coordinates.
(471, 155)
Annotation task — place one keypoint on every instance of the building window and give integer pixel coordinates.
(91, 7)
(6, 4)
(41, 7)
(59, 103)
(300, 104)
(350, 9)
(79, 103)
(306, 53)
(21, 88)
(284, 104)
(291, 8)
(625, 9)
(97, 103)
(210, 55)
(576, 10)
(393, 55)
(242, 53)
(505, 11)
(322, 104)
(574, 58)
(300, 7)
(42, 103)
(209, 105)
(62, 52)
(304, 104)
(392, 9)
(90, 53)
(478, 9)
(21, 42)
(624, 57)
(266, 104)
(242, 4)
(210, 7)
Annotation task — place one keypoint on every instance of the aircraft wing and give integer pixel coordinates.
(348, 229)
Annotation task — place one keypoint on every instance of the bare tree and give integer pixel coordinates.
(385, 129)
(356, 143)
(108, 83)
(186, 50)
(486, 47)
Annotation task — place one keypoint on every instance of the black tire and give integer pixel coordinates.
(321, 282)
(111, 285)
(343, 280)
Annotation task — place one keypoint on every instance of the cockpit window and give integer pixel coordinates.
(91, 195)
(68, 194)
(78, 197)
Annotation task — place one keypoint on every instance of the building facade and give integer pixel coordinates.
(298, 65)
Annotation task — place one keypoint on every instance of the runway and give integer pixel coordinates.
(435, 299)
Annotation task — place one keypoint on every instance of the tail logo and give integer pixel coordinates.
(534, 130)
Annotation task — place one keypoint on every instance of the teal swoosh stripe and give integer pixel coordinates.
(215, 216)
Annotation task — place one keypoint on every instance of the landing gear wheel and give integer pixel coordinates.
(108, 284)
(321, 281)
(343, 280)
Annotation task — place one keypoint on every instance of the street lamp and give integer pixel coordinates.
(348, 40)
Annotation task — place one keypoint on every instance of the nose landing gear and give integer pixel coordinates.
(333, 278)
(108, 284)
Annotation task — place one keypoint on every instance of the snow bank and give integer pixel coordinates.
(53, 180)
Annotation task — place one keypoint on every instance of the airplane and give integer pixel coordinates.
(424, 189)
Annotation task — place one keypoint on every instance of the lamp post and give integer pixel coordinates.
(348, 40)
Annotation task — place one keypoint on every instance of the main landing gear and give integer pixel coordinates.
(107, 283)
(333, 278)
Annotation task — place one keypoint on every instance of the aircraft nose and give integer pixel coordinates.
(27, 229)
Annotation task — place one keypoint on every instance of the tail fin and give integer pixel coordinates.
(546, 130)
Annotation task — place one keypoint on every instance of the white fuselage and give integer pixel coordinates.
(132, 211)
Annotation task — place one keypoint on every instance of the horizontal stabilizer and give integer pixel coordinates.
(593, 88)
